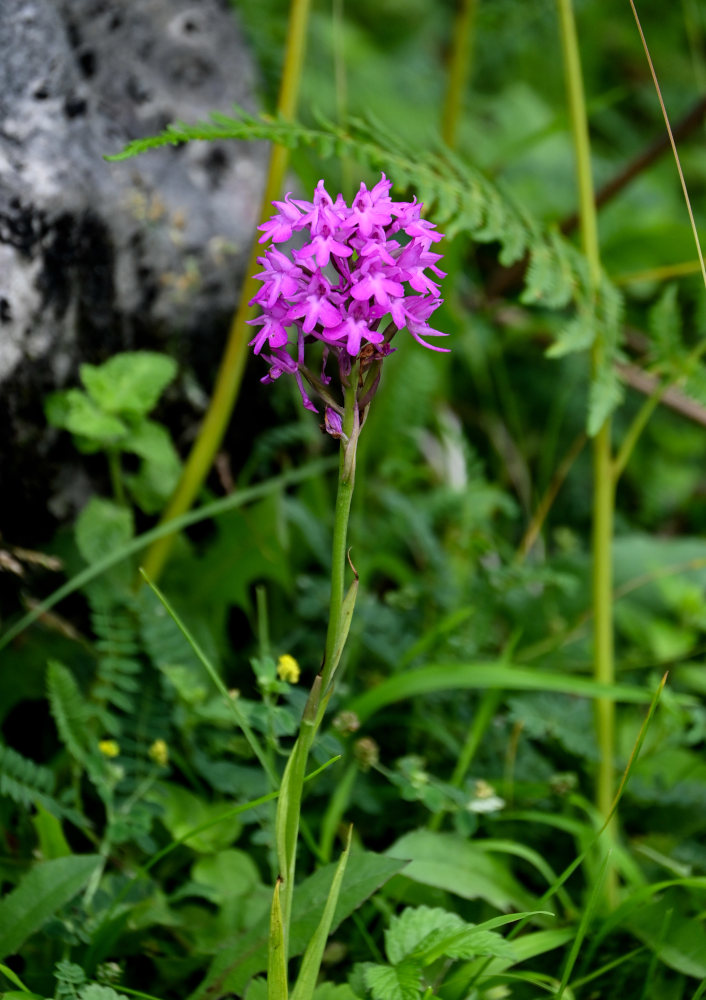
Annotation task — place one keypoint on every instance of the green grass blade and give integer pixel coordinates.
(238, 715)
(311, 963)
(480, 676)
(238, 499)
(584, 922)
(13, 977)
(277, 952)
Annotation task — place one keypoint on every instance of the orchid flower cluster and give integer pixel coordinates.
(359, 265)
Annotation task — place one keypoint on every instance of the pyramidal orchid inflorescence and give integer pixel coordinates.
(359, 266)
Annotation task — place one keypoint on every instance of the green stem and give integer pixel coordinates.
(116, 477)
(230, 373)
(287, 821)
(459, 70)
(603, 482)
(339, 554)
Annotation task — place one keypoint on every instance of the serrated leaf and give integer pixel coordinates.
(93, 991)
(470, 943)
(398, 982)
(605, 394)
(665, 325)
(43, 891)
(334, 991)
(417, 928)
(577, 335)
(101, 527)
(74, 411)
(151, 441)
(130, 383)
(455, 864)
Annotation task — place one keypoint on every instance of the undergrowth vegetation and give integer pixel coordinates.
(501, 796)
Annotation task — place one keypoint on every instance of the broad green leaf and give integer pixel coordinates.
(74, 411)
(102, 527)
(226, 874)
(52, 842)
(398, 982)
(365, 873)
(416, 928)
(151, 441)
(677, 939)
(334, 991)
(43, 891)
(454, 863)
(160, 469)
(130, 383)
(524, 947)
(94, 991)
(183, 811)
(153, 485)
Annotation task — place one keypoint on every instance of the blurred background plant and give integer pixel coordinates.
(470, 657)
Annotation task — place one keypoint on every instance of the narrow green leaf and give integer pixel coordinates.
(14, 978)
(347, 609)
(365, 873)
(44, 890)
(584, 922)
(277, 952)
(482, 676)
(238, 715)
(311, 963)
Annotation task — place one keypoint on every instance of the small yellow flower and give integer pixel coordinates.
(159, 752)
(288, 669)
(109, 748)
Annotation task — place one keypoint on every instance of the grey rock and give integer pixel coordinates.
(97, 257)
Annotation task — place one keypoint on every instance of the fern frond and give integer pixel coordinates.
(119, 668)
(70, 710)
(25, 782)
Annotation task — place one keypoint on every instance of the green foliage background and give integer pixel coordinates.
(469, 644)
